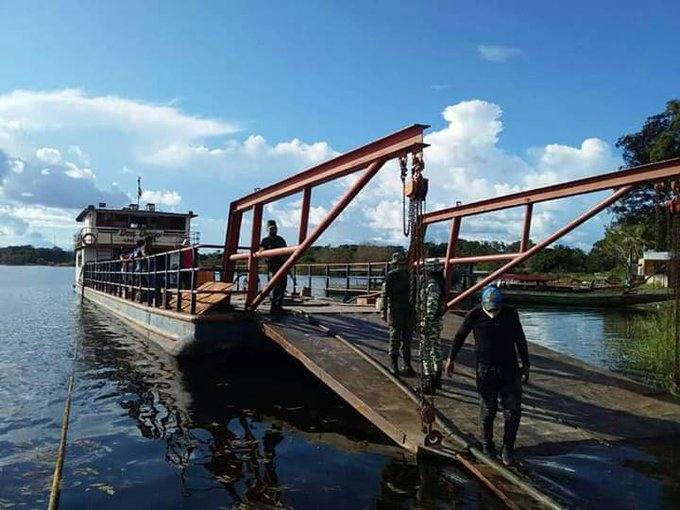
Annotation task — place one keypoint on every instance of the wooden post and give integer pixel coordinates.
(368, 285)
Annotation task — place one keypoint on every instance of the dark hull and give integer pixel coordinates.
(586, 298)
(181, 334)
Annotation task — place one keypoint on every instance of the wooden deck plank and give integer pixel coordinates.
(209, 296)
(565, 398)
(375, 395)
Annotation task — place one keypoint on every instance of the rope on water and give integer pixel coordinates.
(59, 463)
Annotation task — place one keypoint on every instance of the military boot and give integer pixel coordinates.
(438, 379)
(408, 368)
(394, 367)
(429, 385)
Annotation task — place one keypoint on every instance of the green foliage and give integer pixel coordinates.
(600, 259)
(625, 244)
(654, 354)
(659, 139)
(560, 259)
(28, 255)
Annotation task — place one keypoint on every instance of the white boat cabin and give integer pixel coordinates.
(107, 233)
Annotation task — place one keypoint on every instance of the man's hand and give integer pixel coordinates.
(525, 373)
(449, 367)
(383, 315)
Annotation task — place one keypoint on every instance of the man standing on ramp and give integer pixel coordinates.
(499, 337)
(397, 310)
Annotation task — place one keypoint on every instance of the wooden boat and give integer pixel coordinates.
(532, 289)
(610, 298)
(181, 307)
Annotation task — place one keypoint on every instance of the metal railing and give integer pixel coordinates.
(153, 280)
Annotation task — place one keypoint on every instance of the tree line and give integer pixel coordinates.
(29, 255)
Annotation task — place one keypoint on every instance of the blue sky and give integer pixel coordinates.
(206, 100)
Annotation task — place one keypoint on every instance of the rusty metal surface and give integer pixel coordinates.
(350, 376)
(387, 147)
(629, 177)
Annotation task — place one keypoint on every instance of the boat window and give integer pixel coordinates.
(137, 222)
(166, 223)
(108, 219)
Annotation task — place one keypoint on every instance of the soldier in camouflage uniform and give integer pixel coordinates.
(398, 311)
(432, 313)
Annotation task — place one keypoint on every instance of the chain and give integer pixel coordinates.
(405, 220)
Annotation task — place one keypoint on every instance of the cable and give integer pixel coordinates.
(59, 464)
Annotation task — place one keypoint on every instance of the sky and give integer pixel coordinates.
(206, 101)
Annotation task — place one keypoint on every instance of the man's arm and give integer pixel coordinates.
(521, 343)
(461, 334)
(458, 341)
(383, 301)
(520, 340)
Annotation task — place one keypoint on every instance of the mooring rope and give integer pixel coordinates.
(59, 463)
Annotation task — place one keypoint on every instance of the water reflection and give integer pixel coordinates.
(598, 336)
(259, 431)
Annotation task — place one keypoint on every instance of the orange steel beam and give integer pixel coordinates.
(521, 257)
(320, 228)
(653, 172)
(391, 146)
(527, 227)
(256, 229)
(304, 214)
(371, 157)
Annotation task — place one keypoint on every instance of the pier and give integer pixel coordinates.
(567, 403)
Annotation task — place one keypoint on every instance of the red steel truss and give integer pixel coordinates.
(623, 182)
(369, 158)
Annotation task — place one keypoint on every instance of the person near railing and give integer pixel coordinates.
(499, 338)
(397, 310)
(188, 260)
(432, 313)
(140, 267)
(125, 272)
(272, 241)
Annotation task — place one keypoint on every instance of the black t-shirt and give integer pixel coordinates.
(398, 290)
(495, 338)
(270, 243)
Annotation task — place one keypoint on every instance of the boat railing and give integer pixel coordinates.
(153, 280)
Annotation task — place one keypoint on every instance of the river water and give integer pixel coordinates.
(258, 431)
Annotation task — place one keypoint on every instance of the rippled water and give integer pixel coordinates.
(148, 432)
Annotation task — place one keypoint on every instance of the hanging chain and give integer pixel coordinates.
(405, 220)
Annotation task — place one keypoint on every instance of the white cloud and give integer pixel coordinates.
(170, 198)
(464, 163)
(110, 136)
(76, 172)
(82, 157)
(495, 53)
(48, 155)
(64, 109)
(16, 165)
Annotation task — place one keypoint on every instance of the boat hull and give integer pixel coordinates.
(179, 334)
(582, 299)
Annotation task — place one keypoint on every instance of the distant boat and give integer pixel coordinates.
(606, 297)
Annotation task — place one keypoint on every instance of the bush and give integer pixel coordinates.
(655, 354)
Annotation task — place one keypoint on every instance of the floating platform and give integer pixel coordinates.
(182, 333)
(566, 403)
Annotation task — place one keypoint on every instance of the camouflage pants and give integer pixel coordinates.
(400, 328)
(430, 348)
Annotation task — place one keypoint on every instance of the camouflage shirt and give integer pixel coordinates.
(396, 290)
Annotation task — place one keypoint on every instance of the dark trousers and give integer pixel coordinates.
(278, 291)
(400, 327)
(504, 382)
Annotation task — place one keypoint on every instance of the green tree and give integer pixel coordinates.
(600, 259)
(625, 244)
(659, 139)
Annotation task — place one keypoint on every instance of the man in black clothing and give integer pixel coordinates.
(272, 241)
(498, 339)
